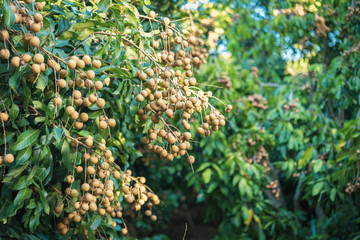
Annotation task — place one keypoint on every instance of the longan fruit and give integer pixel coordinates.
(80, 64)
(130, 199)
(142, 76)
(4, 54)
(98, 85)
(70, 179)
(38, 58)
(79, 125)
(71, 64)
(139, 98)
(4, 116)
(34, 41)
(35, 27)
(101, 147)
(96, 63)
(111, 122)
(59, 208)
(90, 74)
(124, 231)
(191, 160)
(38, 17)
(9, 158)
(93, 207)
(86, 102)
(4, 36)
(61, 83)
(153, 218)
(92, 98)
(79, 169)
(15, 62)
(152, 14)
(39, 6)
(100, 102)
(155, 44)
(70, 110)
(187, 135)
(166, 21)
(57, 101)
(63, 73)
(77, 94)
(35, 68)
(84, 117)
(103, 125)
(86, 59)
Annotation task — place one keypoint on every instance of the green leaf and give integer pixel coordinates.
(22, 183)
(8, 18)
(305, 158)
(333, 194)
(66, 158)
(206, 175)
(23, 155)
(95, 223)
(317, 188)
(26, 139)
(21, 196)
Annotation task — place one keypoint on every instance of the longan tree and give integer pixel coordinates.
(75, 79)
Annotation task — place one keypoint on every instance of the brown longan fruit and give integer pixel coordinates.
(130, 199)
(96, 63)
(166, 21)
(187, 135)
(116, 174)
(9, 158)
(98, 85)
(191, 160)
(4, 36)
(4, 54)
(34, 41)
(26, 58)
(152, 14)
(70, 110)
(92, 98)
(71, 64)
(39, 6)
(86, 59)
(142, 76)
(38, 58)
(70, 179)
(59, 208)
(93, 207)
(90, 74)
(77, 94)
(79, 125)
(124, 231)
(155, 44)
(79, 169)
(38, 17)
(15, 62)
(84, 117)
(153, 218)
(4, 116)
(111, 122)
(57, 101)
(61, 83)
(35, 27)
(139, 98)
(35, 68)
(80, 64)
(100, 102)
(103, 125)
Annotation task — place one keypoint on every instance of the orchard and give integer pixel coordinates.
(179, 119)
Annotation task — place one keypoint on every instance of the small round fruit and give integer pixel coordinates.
(71, 64)
(39, 6)
(57, 101)
(139, 98)
(38, 17)
(4, 117)
(35, 68)
(166, 21)
(61, 83)
(100, 102)
(4, 36)
(9, 158)
(70, 110)
(98, 85)
(152, 14)
(103, 125)
(80, 64)
(4, 54)
(90, 74)
(112, 122)
(26, 58)
(15, 62)
(142, 76)
(96, 63)
(89, 142)
(35, 27)
(124, 231)
(84, 117)
(86, 59)
(38, 58)
(34, 42)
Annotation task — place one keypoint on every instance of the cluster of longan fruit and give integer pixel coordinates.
(8, 158)
(257, 101)
(33, 24)
(97, 193)
(274, 188)
(350, 188)
(225, 80)
(321, 29)
(292, 106)
(170, 91)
